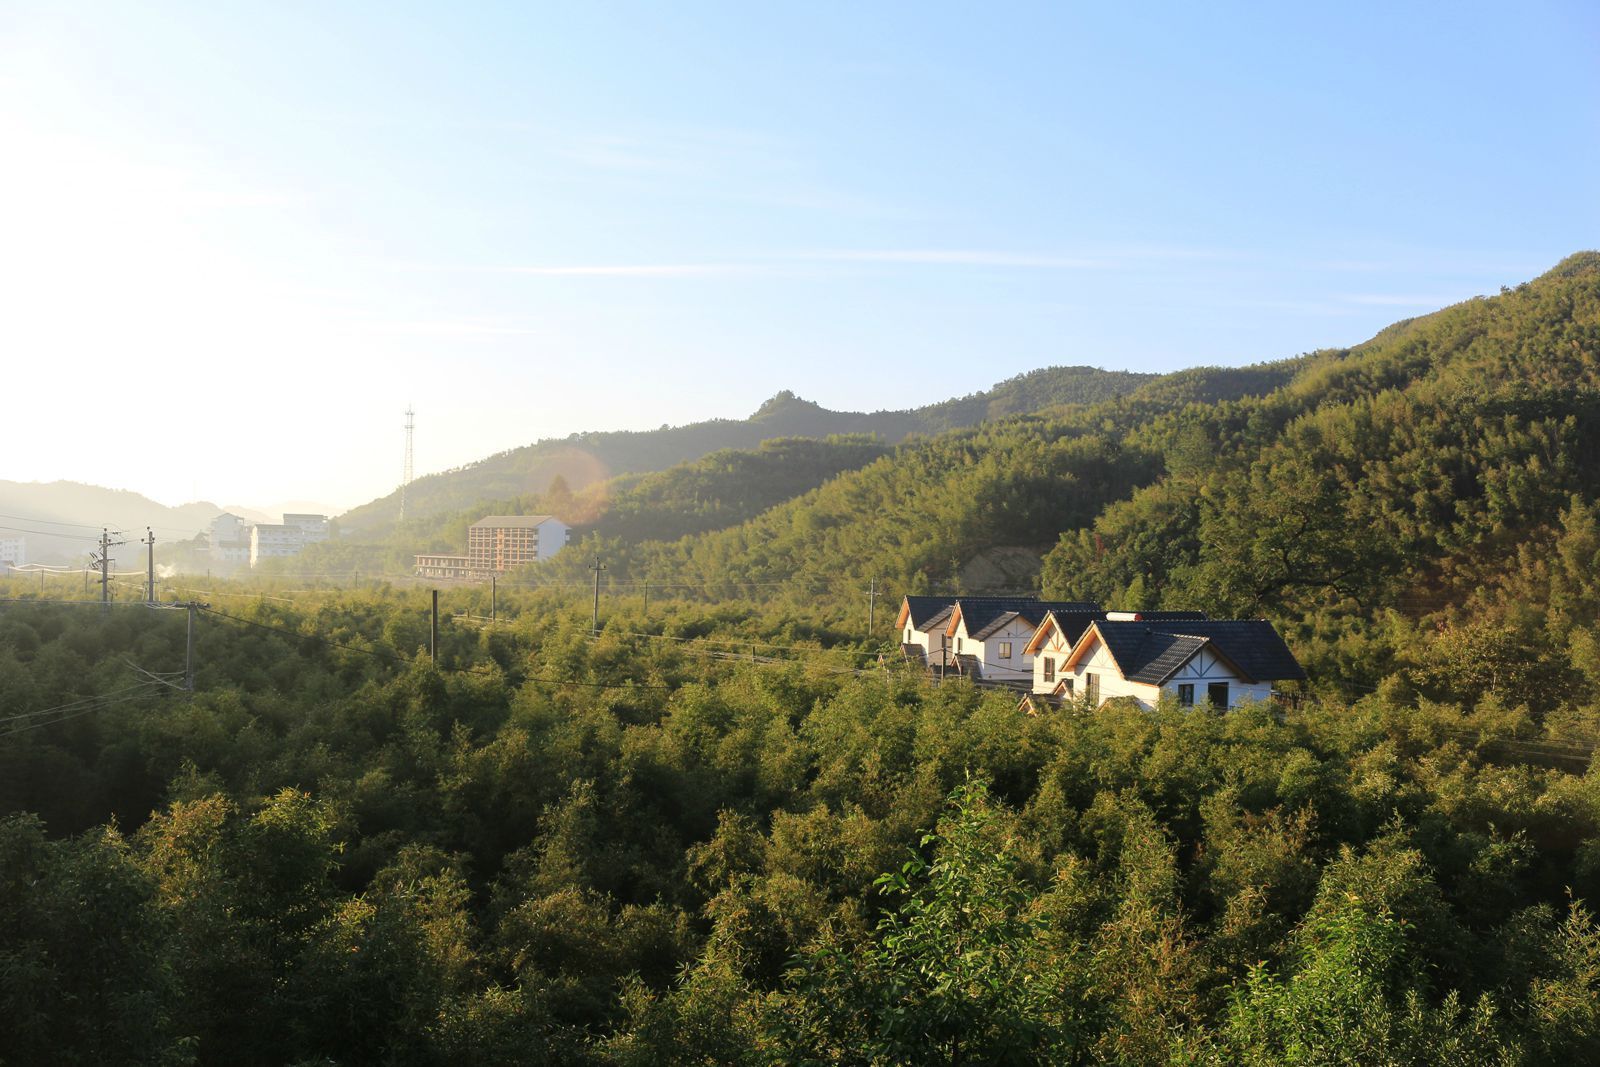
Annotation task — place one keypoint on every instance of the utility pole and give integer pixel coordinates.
(494, 598)
(872, 606)
(433, 637)
(104, 560)
(647, 596)
(150, 566)
(597, 568)
(188, 652)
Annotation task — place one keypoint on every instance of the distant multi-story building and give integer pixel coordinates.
(449, 568)
(313, 528)
(498, 543)
(273, 540)
(230, 540)
(13, 552)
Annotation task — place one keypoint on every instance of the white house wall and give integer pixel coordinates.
(1112, 684)
(931, 643)
(1018, 668)
(1057, 649)
(1205, 668)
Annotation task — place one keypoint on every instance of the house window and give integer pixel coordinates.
(1186, 695)
(1091, 688)
(1068, 684)
(958, 646)
(908, 635)
(1217, 693)
(1005, 649)
(1049, 668)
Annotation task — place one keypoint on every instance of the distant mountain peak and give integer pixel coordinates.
(785, 402)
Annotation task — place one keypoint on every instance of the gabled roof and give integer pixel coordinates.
(513, 521)
(985, 615)
(917, 610)
(1152, 650)
(1071, 625)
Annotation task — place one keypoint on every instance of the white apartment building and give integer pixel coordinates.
(13, 552)
(270, 540)
(230, 540)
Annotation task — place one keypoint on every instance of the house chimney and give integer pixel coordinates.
(1123, 616)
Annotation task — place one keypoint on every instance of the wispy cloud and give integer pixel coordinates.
(585, 270)
(1109, 257)
(466, 327)
(783, 263)
(636, 270)
(959, 258)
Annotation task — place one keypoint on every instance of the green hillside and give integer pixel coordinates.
(1435, 469)
(723, 827)
(585, 459)
(722, 489)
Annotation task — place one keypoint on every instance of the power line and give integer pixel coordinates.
(77, 708)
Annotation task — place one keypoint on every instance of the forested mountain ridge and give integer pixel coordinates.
(1407, 472)
(583, 459)
(725, 828)
(59, 519)
(721, 489)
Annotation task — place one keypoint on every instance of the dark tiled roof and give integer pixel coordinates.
(1150, 650)
(922, 608)
(982, 613)
(1161, 654)
(1073, 623)
(913, 653)
(968, 665)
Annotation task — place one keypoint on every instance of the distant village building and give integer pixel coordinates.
(502, 542)
(313, 528)
(235, 542)
(496, 544)
(270, 540)
(1053, 641)
(989, 638)
(1221, 662)
(448, 568)
(1063, 650)
(13, 552)
(230, 540)
(982, 637)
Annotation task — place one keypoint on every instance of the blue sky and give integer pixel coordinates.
(270, 228)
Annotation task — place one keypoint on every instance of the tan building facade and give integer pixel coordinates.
(497, 543)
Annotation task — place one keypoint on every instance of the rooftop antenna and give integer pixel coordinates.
(405, 479)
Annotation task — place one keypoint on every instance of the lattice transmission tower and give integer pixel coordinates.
(405, 479)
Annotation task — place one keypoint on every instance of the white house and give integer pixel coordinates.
(1053, 641)
(1223, 662)
(921, 625)
(988, 637)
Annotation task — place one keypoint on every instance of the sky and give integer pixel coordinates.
(238, 241)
